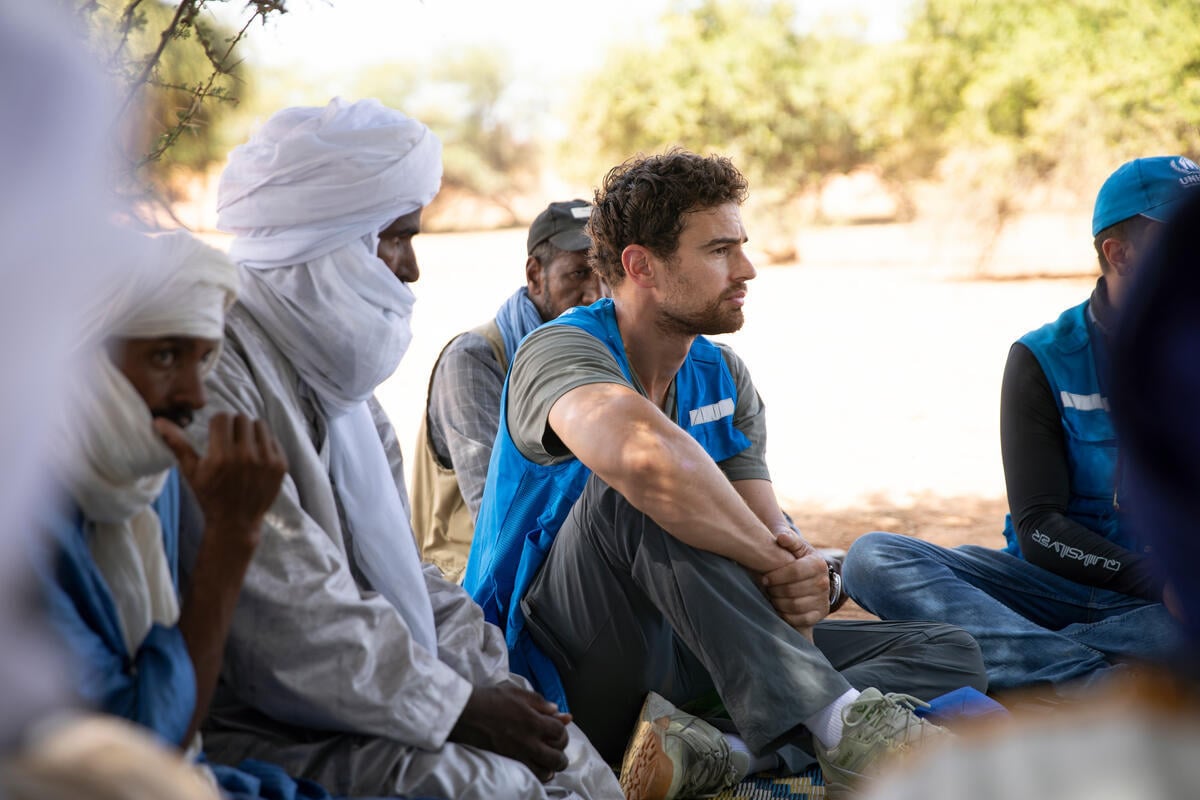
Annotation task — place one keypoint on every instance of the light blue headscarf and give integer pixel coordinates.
(516, 319)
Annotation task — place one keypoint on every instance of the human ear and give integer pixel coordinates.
(639, 264)
(1119, 254)
(534, 276)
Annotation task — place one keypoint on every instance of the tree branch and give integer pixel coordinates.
(144, 76)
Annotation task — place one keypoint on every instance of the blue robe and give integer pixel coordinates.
(156, 686)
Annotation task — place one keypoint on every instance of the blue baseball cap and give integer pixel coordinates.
(1151, 187)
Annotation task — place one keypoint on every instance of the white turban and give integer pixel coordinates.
(312, 180)
(182, 288)
(306, 198)
(116, 463)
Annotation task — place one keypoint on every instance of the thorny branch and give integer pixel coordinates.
(140, 73)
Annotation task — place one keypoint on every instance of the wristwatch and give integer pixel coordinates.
(837, 597)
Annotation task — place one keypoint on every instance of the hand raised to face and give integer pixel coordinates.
(237, 478)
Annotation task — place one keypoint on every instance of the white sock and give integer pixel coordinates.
(826, 724)
(757, 763)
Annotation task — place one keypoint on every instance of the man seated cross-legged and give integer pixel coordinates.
(1074, 592)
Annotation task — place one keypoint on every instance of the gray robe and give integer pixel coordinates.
(320, 674)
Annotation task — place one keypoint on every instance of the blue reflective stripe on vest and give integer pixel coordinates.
(525, 504)
(1064, 349)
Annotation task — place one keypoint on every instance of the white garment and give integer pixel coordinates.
(306, 198)
(342, 319)
(344, 322)
(190, 287)
(120, 468)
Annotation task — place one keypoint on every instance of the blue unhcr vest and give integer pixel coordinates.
(525, 504)
(1066, 353)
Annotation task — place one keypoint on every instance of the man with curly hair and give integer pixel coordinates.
(629, 541)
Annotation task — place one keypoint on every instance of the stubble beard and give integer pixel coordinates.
(708, 321)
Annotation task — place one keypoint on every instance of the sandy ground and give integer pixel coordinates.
(878, 356)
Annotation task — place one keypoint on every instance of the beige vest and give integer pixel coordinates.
(441, 520)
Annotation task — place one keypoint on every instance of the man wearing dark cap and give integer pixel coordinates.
(463, 408)
(1072, 592)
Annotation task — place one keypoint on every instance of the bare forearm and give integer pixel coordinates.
(668, 476)
(207, 612)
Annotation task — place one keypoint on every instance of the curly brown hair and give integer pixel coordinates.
(644, 201)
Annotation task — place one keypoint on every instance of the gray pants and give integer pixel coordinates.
(623, 608)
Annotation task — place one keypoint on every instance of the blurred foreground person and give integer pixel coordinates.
(630, 541)
(54, 139)
(1073, 592)
(462, 412)
(54, 164)
(347, 663)
(1138, 736)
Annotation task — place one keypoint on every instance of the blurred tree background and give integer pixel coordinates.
(463, 99)
(1010, 101)
(1011, 104)
(181, 78)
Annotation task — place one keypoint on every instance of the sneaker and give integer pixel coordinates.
(674, 755)
(875, 726)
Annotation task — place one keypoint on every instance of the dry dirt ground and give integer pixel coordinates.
(946, 521)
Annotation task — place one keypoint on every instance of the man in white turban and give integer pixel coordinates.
(141, 651)
(347, 663)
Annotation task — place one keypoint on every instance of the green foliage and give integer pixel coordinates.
(1061, 89)
(463, 99)
(179, 74)
(998, 94)
(733, 77)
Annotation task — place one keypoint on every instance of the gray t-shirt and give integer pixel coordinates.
(556, 359)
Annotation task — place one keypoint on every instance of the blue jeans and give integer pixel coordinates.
(1032, 626)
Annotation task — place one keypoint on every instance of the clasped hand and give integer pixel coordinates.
(799, 590)
(517, 723)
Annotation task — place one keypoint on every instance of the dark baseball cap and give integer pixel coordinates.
(562, 225)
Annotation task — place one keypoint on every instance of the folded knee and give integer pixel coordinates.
(960, 651)
(870, 553)
(947, 635)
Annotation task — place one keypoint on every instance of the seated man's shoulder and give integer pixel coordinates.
(252, 369)
(554, 354)
(469, 346)
(550, 340)
(727, 352)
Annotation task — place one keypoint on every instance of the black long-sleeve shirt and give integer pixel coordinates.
(1037, 473)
